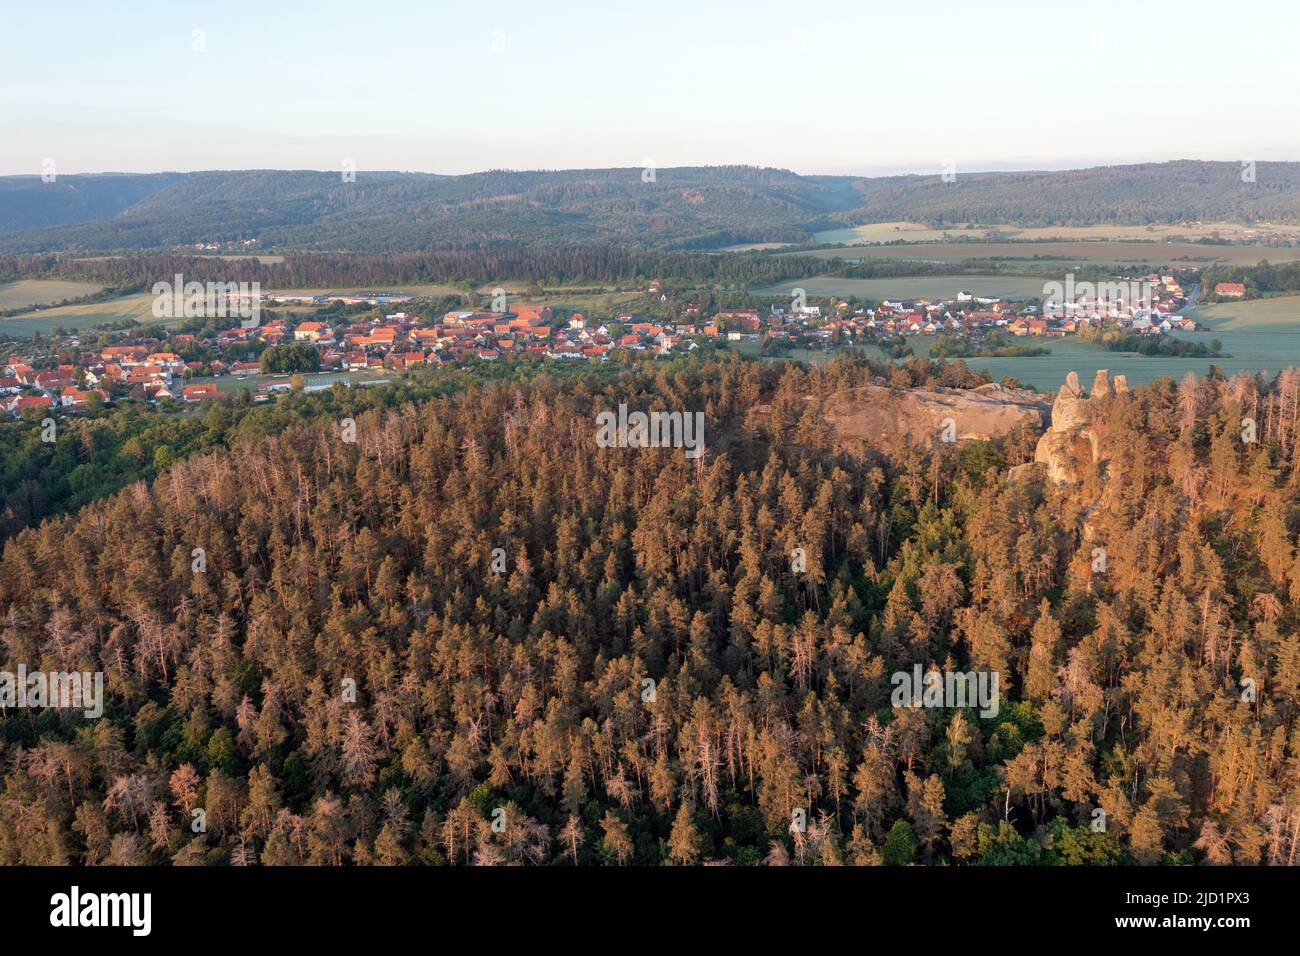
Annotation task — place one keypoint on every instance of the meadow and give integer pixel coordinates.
(26, 293)
(138, 307)
(1266, 351)
(1283, 310)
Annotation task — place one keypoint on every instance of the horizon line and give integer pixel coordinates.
(880, 172)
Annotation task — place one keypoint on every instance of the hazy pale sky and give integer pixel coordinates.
(827, 86)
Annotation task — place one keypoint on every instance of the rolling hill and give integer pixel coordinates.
(1139, 194)
(28, 202)
(682, 208)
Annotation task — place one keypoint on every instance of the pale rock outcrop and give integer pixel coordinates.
(1069, 409)
(1074, 441)
(874, 416)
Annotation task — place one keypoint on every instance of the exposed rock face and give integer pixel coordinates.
(1068, 411)
(873, 414)
(1073, 441)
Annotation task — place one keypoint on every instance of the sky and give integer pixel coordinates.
(817, 86)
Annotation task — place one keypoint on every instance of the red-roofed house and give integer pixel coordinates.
(311, 332)
(75, 398)
(201, 393)
(21, 403)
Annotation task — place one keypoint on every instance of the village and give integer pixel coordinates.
(187, 366)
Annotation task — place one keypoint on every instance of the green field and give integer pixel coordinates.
(32, 292)
(912, 287)
(1260, 350)
(138, 307)
(1280, 311)
(1267, 351)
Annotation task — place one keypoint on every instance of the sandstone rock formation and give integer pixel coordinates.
(871, 415)
(1074, 439)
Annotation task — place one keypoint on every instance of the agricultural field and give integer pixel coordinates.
(759, 246)
(912, 287)
(1279, 311)
(1259, 336)
(1259, 351)
(1098, 252)
(1266, 351)
(26, 293)
(138, 307)
(877, 232)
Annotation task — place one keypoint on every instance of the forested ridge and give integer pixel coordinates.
(504, 717)
(1184, 190)
(677, 208)
(30, 202)
(686, 207)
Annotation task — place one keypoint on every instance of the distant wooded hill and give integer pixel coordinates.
(28, 202)
(682, 208)
(1125, 195)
